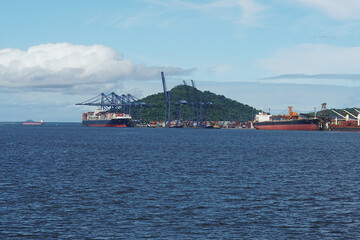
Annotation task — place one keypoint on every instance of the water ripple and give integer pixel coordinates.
(72, 182)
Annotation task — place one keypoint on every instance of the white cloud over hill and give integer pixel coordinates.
(72, 68)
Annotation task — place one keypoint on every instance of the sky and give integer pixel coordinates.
(268, 54)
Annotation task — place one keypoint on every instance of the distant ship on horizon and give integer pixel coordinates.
(31, 122)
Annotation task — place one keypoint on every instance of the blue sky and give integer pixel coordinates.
(264, 53)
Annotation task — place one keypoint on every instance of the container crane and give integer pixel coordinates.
(167, 101)
(125, 103)
(190, 105)
(168, 95)
(197, 103)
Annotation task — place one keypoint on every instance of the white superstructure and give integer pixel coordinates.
(262, 117)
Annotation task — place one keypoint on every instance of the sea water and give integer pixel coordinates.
(67, 181)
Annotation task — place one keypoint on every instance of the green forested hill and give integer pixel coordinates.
(222, 108)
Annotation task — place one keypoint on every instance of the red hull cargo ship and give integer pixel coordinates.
(292, 121)
(346, 123)
(345, 126)
(101, 118)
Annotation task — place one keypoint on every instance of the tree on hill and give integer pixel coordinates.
(214, 107)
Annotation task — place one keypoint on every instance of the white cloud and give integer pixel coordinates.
(346, 80)
(247, 11)
(278, 97)
(73, 68)
(220, 69)
(250, 10)
(338, 9)
(313, 59)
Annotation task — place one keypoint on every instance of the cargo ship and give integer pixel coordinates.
(31, 122)
(346, 123)
(291, 121)
(101, 118)
(345, 126)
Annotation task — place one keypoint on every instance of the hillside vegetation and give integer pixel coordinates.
(215, 107)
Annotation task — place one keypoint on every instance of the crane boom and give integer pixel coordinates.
(350, 114)
(167, 101)
(338, 114)
(187, 92)
(164, 86)
(196, 102)
(188, 100)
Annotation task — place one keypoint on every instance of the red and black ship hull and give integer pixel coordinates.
(346, 126)
(108, 123)
(299, 125)
(345, 129)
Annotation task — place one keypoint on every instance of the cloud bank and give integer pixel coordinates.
(337, 9)
(318, 76)
(314, 64)
(72, 68)
(344, 80)
(313, 59)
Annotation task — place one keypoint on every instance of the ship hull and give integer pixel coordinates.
(345, 129)
(347, 126)
(297, 125)
(108, 123)
(33, 123)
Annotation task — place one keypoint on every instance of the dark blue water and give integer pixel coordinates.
(71, 182)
